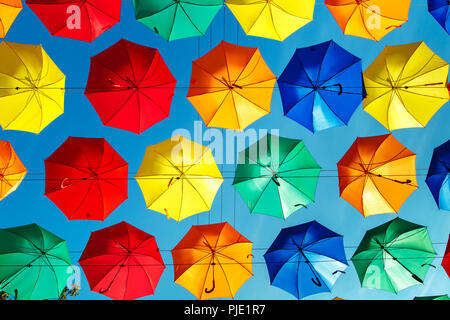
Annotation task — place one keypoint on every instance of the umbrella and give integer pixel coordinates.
(438, 177)
(306, 259)
(406, 86)
(371, 19)
(122, 262)
(277, 176)
(394, 256)
(177, 19)
(130, 86)
(443, 297)
(439, 9)
(231, 86)
(446, 259)
(179, 178)
(77, 19)
(12, 170)
(31, 88)
(86, 178)
(275, 19)
(9, 10)
(322, 86)
(34, 263)
(212, 261)
(377, 175)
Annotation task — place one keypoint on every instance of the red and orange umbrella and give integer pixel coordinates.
(86, 178)
(12, 171)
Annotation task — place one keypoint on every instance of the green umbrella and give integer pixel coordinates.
(444, 297)
(394, 256)
(34, 264)
(177, 19)
(277, 176)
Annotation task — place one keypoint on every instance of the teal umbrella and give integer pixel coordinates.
(443, 297)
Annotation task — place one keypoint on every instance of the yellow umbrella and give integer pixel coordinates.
(406, 86)
(179, 178)
(273, 19)
(9, 10)
(31, 88)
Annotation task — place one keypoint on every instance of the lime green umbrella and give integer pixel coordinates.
(444, 297)
(34, 263)
(394, 256)
(276, 176)
(177, 19)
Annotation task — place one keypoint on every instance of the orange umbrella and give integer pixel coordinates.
(9, 10)
(12, 171)
(231, 86)
(377, 175)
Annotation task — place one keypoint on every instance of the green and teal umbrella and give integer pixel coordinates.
(276, 176)
(177, 19)
(394, 256)
(34, 263)
(444, 297)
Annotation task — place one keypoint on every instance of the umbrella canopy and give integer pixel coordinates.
(34, 263)
(406, 86)
(371, 19)
(212, 261)
(446, 259)
(86, 179)
(439, 9)
(130, 86)
(322, 86)
(31, 88)
(277, 176)
(275, 19)
(306, 259)
(377, 175)
(77, 19)
(394, 256)
(179, 178)
(443, 297)
(231, 86)
(122, 262)
(9, 10)
(177, 19)
(438, 177)
(12, 170)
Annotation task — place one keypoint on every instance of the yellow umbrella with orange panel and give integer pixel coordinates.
(12, 170)
(9, 10)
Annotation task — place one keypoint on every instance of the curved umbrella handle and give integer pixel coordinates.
(212, 289)
(343, 272)
(274, 179)
(317, 282)
(428, 264)
(417, 278)
(341, 90)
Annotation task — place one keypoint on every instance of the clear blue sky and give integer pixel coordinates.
(29, 205)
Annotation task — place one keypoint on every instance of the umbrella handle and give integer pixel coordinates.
(317, 282)
(274, 179)
(428, 264)
(212, 289)
(338, 271)
(340, 89)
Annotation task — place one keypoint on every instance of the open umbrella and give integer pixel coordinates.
(276, 176)
(443, 298)
(77, 19)
(9, 10)
(34, 263)
(377, 175)
(179, 178)
(438, 177)
(446, 259)
(306, 259)
(275, 19)
(406, 86)
(439, 9)
(231, 86)
(322, 86)
(86, 178)
(371, 19)
(31, 88)
(212, 261)
(12, 170)
(122, 262)
(130, 86)
(394, 256)
(177, 19)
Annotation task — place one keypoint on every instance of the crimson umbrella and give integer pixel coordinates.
(446, 260)
(86, 178)
(130, 86)
(122, 262)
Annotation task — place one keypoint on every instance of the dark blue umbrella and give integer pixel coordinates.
(440, 11)
(306, 259)
(322, 86)
(438, 178)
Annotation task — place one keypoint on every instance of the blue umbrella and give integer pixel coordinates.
(438, 178)
(440, 11)
(306, 259)
(322, 86)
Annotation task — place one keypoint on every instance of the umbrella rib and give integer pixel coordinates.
(192, 22)
(226, 278)
(418, 73)
(258, 17)
(149, 279)
(201, 197)
(103, 12)
(23, 63)
(259, 107)
(381, 194)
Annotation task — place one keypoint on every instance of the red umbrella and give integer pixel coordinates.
(122, 262)
(77, 19)
(130, 86)
(446, 260)
(86, 178)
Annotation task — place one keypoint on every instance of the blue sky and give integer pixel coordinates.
(29, 205)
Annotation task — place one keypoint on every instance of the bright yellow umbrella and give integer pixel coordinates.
(179, 178)
(406, 86)
(31, 88)
(9, 10)
(273, 19)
